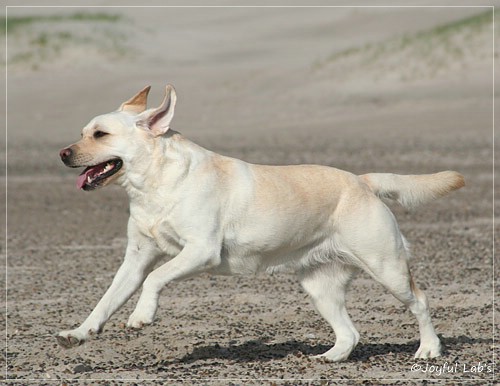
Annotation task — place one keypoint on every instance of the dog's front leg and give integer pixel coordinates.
(139, 260)
(193, 259)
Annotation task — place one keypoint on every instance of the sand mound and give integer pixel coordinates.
(65, 41)
(451, 47)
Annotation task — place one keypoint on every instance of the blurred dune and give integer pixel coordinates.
(240, 71)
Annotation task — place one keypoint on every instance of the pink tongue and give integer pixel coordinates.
(82, 179)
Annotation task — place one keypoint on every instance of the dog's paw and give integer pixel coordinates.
(139, 320)
(426, 352)
(339, 352)
(69, 339)
(332, 356)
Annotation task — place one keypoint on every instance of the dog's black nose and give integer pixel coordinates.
(65, 154)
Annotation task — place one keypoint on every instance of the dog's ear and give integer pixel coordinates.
(136, 104)
(158, 120)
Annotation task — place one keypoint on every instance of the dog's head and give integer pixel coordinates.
(111, 141)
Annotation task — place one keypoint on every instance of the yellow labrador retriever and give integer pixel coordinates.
(207, 212)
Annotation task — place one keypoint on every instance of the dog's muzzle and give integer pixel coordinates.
(94, 175)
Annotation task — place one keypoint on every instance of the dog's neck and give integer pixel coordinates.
(171, 154)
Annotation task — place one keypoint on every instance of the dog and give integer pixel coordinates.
(211, 213)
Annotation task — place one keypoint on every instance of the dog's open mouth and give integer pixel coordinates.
(94, 176)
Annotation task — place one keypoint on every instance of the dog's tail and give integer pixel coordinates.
(413, 190)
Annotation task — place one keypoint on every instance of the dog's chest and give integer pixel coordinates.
(156, 226)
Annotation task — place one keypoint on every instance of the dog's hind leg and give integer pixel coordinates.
(394, 275)
(386, 260)
(326, 284)
(377, 246)
(430, 346)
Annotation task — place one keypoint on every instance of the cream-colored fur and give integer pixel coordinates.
(207, 212)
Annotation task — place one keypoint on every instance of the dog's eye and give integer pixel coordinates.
(99, 134)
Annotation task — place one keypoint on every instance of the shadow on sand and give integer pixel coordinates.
(259, 350)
